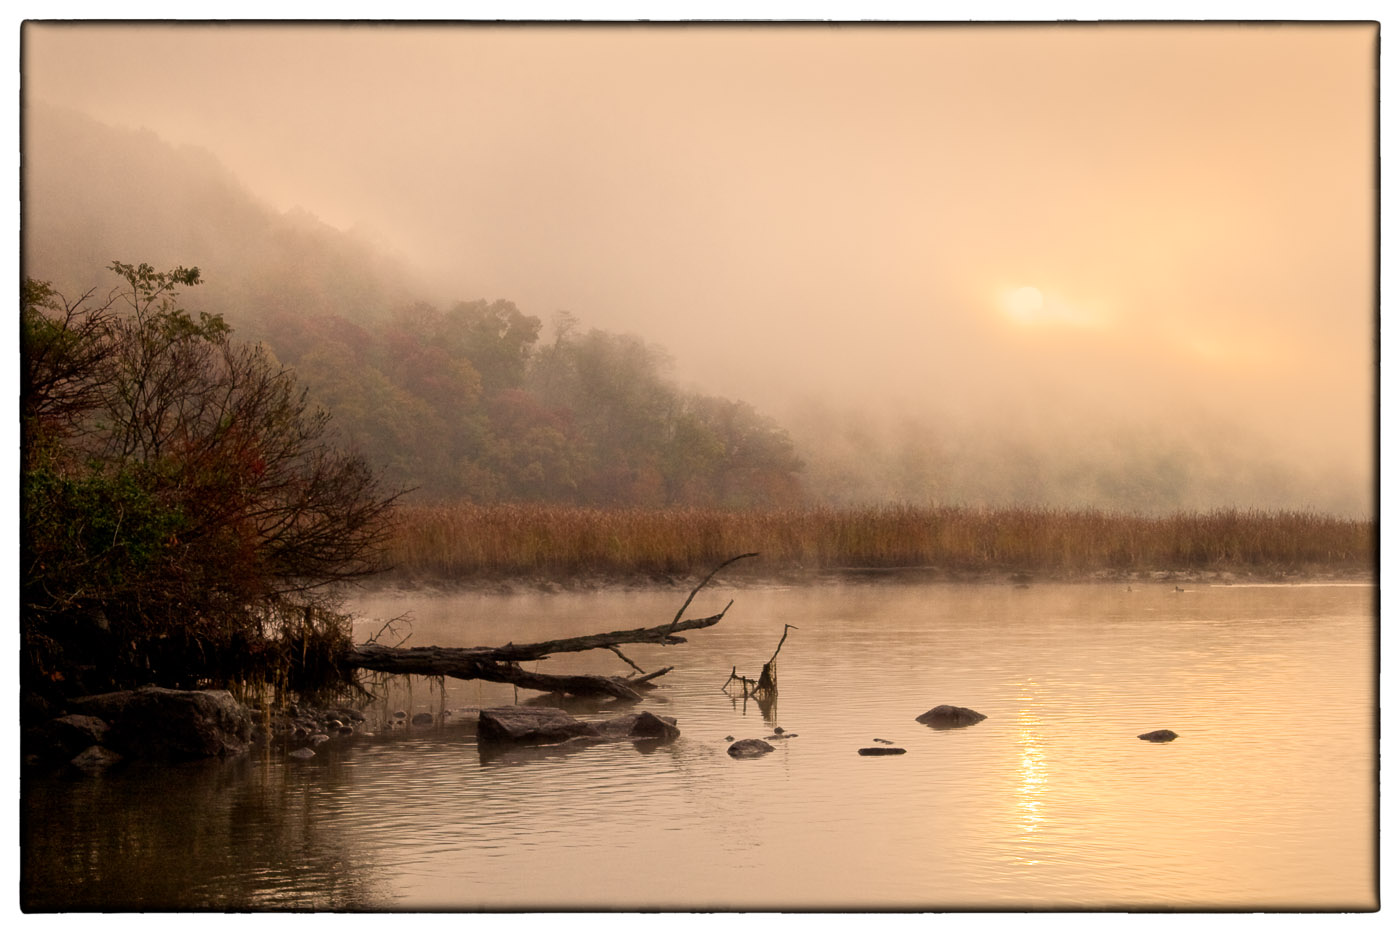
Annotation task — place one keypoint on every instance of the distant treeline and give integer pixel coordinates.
(475, 543)
(469, 404)
(463, 403)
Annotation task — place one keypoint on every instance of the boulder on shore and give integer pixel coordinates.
(59, 739)
(157, 722)
(950, 717)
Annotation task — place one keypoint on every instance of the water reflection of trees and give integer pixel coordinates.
(250, 834)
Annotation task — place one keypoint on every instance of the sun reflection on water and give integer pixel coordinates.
(1033, 783)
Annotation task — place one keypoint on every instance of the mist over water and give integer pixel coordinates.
(1128, 267)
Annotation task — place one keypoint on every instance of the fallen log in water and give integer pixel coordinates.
(502, 664)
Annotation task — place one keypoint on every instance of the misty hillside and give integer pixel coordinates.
(461, 402)
(93, 193)
(482, 400)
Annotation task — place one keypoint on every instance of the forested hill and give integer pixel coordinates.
(471, 400)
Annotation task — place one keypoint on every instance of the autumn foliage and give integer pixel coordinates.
(184, 510)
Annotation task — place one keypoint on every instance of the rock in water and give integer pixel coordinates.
(301, 753)
(530, 725)
(950, 717)
(642, 725)
(881, 750)
(95, 759)
(422, 719)
(176, 724)
(1161, 735)
(749, 748)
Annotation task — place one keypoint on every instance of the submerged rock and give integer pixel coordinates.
(643, 725)
(1160, 735)
(95, 759)
(950, 717)
(545, 725)
(530, 725)
(881, 750)
(423, 719)
(301, 753)
(749, 748)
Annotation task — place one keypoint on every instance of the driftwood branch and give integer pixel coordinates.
(434, 660)
(630, 663)
(680, 612)
(767, 683)
(502, 664)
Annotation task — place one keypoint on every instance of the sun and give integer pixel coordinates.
(1024, 304)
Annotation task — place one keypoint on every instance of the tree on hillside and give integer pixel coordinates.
(183, 506)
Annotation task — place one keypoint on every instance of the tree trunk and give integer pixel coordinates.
(502, 664)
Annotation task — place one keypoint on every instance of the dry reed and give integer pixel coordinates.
(466, 542)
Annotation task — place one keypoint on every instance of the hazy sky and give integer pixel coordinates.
(1088, 221)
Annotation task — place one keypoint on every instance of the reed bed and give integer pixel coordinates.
(469, 543)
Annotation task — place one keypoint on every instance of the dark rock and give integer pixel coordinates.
(950, 717)
(75, 732)
(301, 753)
(346, 730)
(643, 725)
(333, 725)
(95, 759)
(1161, 735)
(423, 719)
(400, 714)
(749, 748)
(530, 725)
(319, 737)
(175, 724)
(58, 740)
(34, 709)
(352, 715)
(883, 741)
(729, 738)
(881, 750)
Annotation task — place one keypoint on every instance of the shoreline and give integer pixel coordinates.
(513, 584)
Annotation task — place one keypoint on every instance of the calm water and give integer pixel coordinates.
(1268, 800)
